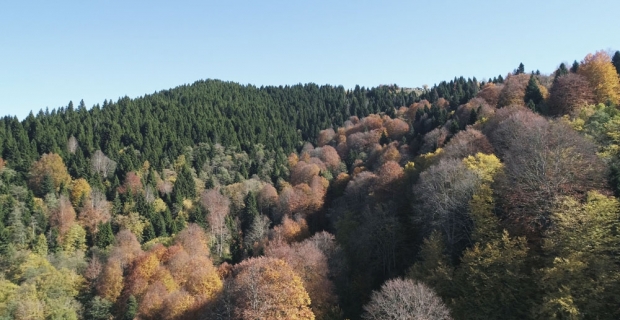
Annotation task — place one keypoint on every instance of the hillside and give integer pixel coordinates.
(477, 200)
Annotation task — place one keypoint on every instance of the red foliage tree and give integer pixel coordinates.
(466, 143)
(132, 183)
(569, 93)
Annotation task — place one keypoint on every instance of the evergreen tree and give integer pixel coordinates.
(148, 233)
(132, 308)
(473, 117)
(47, 185)
(575, 67)
(105, 236)
(250, 212)
(184, 187)
(616, 61)
(561, 71)
(520, 69)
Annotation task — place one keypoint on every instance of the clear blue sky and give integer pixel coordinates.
(55, 51)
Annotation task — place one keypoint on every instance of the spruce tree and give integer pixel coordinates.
(616, 61)
(132, 308)
(532, 92)
(149, 233)
(520, 69)
(575, 67)
(473, 117)
(561, 71)
(105, 236)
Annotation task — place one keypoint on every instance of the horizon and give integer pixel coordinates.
(61, 52)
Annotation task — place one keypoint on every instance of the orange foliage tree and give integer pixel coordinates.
(310, 264)
(268, 288)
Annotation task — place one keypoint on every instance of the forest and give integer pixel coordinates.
(470, 199)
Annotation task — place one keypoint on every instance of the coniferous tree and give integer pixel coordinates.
(520, 69)
(132, 308)
(562, 71)
(105, 236)
(575, 67)
(616, 61)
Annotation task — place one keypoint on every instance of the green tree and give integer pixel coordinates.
(616, 61)
(100, 309)
(520, 69)
(132, 308)
(532, 92)
(105, 236)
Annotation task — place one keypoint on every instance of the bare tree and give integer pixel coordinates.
(101, 164)
(405, 299)
(72, 145)
(218, 207)
(444, 191)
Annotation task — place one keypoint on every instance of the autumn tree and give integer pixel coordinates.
(51, 167)
(110, 282)
(559, 162)
(405, 299)
(513, 91)
(218, 207)
(580, 277)
(443, 192)
(466, 143)
(311, 265)
(267, 288)
(493, 280)
(95, 211)
(132, 184)
(604, 80)
(490, 92)
(102, 165)
(569, 93)
(63, 216)
(79, 190)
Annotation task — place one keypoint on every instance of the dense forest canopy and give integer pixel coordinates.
(466, 200)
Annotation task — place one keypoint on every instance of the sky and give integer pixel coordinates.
(53, 52)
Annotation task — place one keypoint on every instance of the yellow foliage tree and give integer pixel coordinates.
(582, 276)
(602, 75)
(79, 190)
(74, 239)
(50, 165)
(110, 282)
(485, 165)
